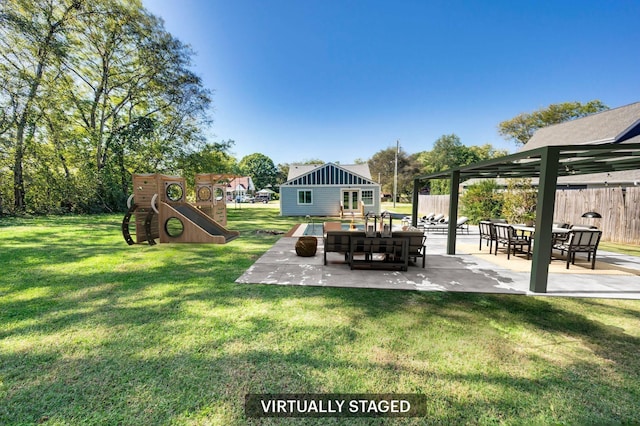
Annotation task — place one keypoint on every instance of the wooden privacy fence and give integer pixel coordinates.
(620, 210)
(619, 207)
(433, 204)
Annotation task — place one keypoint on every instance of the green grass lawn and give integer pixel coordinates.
(93, 331)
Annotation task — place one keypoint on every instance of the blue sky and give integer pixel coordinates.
(338, 80)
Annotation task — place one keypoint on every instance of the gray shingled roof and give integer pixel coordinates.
(609, 126)
(296, 170)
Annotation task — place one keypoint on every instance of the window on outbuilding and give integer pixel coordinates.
(367, 197)
(305, 196)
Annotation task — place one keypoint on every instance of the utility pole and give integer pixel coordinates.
(395, 175)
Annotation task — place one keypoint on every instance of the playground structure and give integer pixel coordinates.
(159, 210)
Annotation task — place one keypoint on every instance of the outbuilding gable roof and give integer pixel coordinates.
(296, 170)
(611, 126)
(329, 174)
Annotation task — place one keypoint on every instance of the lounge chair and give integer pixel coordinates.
(436, 219)
(428, 217)
(443, 226)
(425, 220)
(462, 224)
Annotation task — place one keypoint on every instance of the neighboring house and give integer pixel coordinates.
(240, 187)
(328, 189)
(617, 125)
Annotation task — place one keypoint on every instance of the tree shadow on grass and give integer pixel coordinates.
(153, 380)
(179, 339)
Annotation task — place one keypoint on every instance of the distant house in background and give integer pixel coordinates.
(329, 190)
(240, 187)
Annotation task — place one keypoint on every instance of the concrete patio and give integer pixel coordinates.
(470, 270)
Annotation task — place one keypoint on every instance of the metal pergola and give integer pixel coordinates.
(547, 164)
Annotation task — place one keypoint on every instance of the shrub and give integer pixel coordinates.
(481, 201)
(520, 200)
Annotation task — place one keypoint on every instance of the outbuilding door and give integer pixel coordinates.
(351, 201)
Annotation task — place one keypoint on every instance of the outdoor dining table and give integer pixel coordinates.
(532, 229)
(556, 233)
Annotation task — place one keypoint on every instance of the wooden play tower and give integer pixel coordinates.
(159, 210)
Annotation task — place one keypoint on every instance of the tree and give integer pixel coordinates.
(382, 166)
(91, 92)
(260, 168)
(484, 152)
(522, 127)
(212, 158)
(311, 161)
(283, 173)
(33, 43)
(449, 152)
(129, 70)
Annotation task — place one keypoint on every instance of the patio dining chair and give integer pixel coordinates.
(487, 234)
(507, 236)
(331, 226)
(558, 238)
(580, 241)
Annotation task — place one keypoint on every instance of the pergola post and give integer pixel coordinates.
(453, 211)
(544, 219)
(414, 206)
